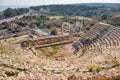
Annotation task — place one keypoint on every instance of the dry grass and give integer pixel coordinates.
(56, 17)
(6, 48)
(94, 68)
(115, 62)
(84, 50)
(50, 51)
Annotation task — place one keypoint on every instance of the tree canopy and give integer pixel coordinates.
(80, 10)
(14, 12)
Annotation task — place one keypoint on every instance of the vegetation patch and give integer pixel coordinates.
(21, 69)
(93, 68)
(56, 47)
(84, 50)
(116, 65)
(115, 61)
(54, 31)
(11, 73)
(117, 78)
(80, 10)
(50, 51)
(12, 67)
(50, 54)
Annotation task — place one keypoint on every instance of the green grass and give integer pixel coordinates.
(50, 51)
(56, 47)
(50, 54)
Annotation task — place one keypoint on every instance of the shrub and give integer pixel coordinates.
(56, 47)
(98, 68)
(54, 31)
(117, 78)
(11, 73)
(115, 61)
(90, 68)
(88, 28)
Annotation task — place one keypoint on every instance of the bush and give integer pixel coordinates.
(115, 61)
(14, 12)
(104, 16)
(88, 28)
(92, 68)
(98, 68)
(11, 73)
(54, 31)
(117, 78)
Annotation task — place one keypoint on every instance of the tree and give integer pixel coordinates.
(104, 16)
(80, 10)
(14, 12)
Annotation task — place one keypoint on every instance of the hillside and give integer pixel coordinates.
(115, 20)
(87, 10)
(60, 41)
(58, 63)
(112, 5)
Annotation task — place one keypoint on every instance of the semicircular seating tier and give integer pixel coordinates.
(100, 36)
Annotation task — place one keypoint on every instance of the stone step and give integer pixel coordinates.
(101, 43)
(80, 44)
(109, 37)
(109, 41)
(116, 34)
(116, 38)
(112, 39)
